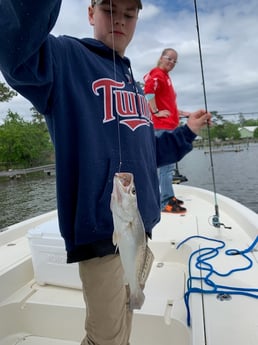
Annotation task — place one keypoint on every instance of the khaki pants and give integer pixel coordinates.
(108, 318)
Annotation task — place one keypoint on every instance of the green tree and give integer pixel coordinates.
(224, 131)
(217, 118)
(256, 133)
(231, 130)
(241, 120)
(250, 122)
(37, 117)
(22, 143)
(6, 94)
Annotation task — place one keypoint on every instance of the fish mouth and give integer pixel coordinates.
(125, 179)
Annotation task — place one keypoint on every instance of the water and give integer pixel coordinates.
(26, 197)
(236, 173)
(236, 176)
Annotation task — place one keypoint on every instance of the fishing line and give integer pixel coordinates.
(115, 78)
(215, 219)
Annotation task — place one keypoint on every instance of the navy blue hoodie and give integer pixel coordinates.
(98, 119)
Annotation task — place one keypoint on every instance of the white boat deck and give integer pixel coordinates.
(34, 314)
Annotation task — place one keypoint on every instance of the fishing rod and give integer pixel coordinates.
(215, 219)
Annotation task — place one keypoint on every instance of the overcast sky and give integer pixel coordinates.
(229, 45)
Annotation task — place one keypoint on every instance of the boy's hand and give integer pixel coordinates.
(199, 119)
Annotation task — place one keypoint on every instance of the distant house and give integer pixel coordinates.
(247, 132)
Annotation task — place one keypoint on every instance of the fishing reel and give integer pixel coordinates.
(215, 221)
(217, 224)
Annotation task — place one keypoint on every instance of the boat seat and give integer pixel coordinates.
(37, 308)
(15, 270)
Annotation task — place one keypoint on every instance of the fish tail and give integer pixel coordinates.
(137, 299)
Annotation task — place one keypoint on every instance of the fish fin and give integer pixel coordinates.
(137, 299)
(114, 239)
(146, 267)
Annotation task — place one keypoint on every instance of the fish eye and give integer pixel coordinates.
(133, 191)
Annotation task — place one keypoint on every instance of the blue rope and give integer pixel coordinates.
(202, 264)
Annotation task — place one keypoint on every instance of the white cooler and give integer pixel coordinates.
(49, 257)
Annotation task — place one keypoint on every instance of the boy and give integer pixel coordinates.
(100, 124)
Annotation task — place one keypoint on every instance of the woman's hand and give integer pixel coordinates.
(162, 113)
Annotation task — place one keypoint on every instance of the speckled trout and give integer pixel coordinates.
(129, 235)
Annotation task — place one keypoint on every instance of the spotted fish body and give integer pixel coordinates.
(129, 234)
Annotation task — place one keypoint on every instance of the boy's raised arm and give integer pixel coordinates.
(24, 25)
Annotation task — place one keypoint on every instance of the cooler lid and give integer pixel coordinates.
(48, 229)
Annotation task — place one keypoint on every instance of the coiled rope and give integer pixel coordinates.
(207, 271)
